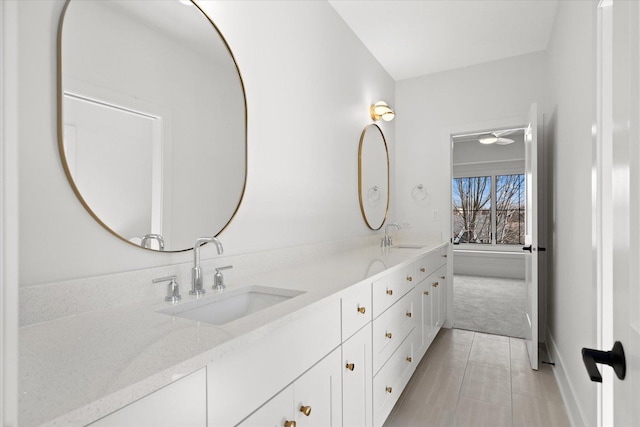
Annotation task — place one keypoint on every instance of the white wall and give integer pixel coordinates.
(426, 106)
(309, 84)
(568, 134)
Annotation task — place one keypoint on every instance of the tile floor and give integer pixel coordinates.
(475, 379)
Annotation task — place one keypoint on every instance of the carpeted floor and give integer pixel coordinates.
(491, 305)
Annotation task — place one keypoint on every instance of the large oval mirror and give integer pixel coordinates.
(373, 176)
(152, 119)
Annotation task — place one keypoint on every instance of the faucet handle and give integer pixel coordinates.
(218, 278)
(173, 289)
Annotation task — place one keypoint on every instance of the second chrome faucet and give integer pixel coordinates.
(196, 272)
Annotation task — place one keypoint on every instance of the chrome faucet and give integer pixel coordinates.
(386, 241)
(196, 272)
(146, 240)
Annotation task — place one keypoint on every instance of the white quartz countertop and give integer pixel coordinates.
(77, 369)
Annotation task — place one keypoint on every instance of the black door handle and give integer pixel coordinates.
(527, 248)
(614, 358)
(541, 249)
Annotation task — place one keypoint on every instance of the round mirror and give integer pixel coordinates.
(151, 119)
(373, 176)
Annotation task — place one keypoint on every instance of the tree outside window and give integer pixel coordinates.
(510, 202)
(489, 209)
(472, 210)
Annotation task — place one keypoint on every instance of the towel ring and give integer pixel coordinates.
(373, 195)
(419, 193)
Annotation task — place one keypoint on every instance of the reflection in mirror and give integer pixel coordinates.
(152, 119)
(373, 177)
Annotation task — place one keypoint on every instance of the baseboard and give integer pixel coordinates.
(574, 410)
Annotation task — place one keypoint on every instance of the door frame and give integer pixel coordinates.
(9, 213)
(447, 133)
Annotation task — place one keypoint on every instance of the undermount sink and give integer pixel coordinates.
(228, 306)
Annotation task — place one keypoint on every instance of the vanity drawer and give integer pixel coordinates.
(389, 289)
(389, 383)
(391, 329)
(356, 309)
(430, 263)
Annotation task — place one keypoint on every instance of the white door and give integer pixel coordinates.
(531, 233)
(618, 207)
(115, 158)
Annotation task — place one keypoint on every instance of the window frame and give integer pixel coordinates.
(478, 171)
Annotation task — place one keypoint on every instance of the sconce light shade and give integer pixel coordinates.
(380, 110)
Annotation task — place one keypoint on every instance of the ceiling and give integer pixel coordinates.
(412, 38)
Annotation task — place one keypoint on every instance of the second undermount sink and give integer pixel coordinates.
(228, 306)
(406, 246)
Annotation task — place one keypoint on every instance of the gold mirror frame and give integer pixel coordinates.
(63, 157)
(361, 166)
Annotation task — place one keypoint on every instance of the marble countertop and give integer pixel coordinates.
(76, 369)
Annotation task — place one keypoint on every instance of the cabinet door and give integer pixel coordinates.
(318, 394)
(441, 277)
(182, 403)
(356, 308)
(357, 377)
(277, 412)
(435, 291)
(425, 332)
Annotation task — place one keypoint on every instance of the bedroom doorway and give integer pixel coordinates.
(488, 231)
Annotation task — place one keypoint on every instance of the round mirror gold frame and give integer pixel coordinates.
(362, 168)
(63, 156)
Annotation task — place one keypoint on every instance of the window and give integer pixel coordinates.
(489, 209)
(510, 209)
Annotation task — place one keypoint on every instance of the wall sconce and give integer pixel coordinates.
(380, 110)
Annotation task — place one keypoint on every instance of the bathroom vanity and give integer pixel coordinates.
(338, 352)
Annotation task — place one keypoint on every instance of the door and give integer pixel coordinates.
(531, 234)
(107, 150)
(618, 207)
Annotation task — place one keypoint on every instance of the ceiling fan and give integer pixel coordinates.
(497, 137)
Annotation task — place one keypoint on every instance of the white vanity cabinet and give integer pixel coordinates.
(355, 308)
(387, 290)
(426, 332)
(439, 304)
(432, 307)
(181, 403)
(356, 355)
(394, 322)
(392, 379)
(312, 400)
(246, 379)
(357, 377)
(391, 328)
